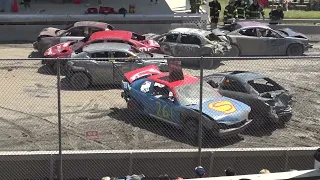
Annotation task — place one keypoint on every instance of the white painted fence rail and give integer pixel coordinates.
(175, 162)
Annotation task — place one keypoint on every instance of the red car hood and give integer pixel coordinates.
(59, 50)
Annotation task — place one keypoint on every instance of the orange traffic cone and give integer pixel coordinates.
(15, 7)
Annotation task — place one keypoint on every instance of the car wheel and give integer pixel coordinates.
(234, 52)
(62, 67)
(190, 128)
(295, 50)
(79, 80)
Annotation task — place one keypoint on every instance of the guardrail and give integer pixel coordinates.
(175, 162)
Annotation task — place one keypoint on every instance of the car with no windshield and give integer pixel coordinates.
(191, 42)
(51, 36)
(269, 101)
(259, 39)
(102, 66)
(175, 100)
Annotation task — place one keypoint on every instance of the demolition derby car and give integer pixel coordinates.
(250, 38)
(80, 74)
(65, 49)
(174, 98)
(191, 42)
(269, 101)
(51, 36)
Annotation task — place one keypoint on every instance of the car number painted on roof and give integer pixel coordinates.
(223, 106)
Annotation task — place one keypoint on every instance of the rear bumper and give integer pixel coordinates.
(35, 45)
(225, 133)
(277, 117)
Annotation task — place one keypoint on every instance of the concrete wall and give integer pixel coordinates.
(175, 162)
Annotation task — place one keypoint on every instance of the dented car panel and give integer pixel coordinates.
(269, 101)
(190, 42)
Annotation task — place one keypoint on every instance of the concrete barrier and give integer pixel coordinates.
(175, 162)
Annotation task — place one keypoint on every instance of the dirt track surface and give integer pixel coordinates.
(28, 110)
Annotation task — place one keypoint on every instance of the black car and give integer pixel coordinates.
(269, 101)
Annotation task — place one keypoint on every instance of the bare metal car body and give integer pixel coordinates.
(83, 73)
(258, 39)
(269, 101)
(51, 36)
(191, 42)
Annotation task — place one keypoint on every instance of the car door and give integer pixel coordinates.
(272, 43)
(234, 89)
(162, 104)
(74, 34)
(168, 43)
(248, 41)
(122, 66)
(101, 70)
(188, 45)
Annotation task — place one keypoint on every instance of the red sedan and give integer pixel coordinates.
(64, 50)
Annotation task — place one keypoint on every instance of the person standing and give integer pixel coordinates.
(230, 12)
(3, 4)
(254, 11)
(241, 9)
(277, 14)
(215, 8)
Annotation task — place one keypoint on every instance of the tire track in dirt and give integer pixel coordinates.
(72, 131)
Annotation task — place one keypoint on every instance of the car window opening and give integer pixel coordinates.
(264, 85)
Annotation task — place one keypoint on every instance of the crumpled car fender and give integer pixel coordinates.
(215, 49)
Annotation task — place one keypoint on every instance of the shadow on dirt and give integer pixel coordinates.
(197, 67)
(35, 54)
(48, 70)
(66, 86)
(163, 129)
(265, 130)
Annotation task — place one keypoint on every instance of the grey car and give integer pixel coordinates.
(82, 73)
(191, 42)
(51, 36)
(260, 40)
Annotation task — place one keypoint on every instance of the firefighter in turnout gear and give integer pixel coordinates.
(215, 8)
(254, 11)
(241, 10)
(230, 12)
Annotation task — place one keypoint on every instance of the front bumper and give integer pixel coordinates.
(276, 116)
(307, 47)
(233, 130)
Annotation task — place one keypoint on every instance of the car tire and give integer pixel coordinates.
(80, 80)
(295, 50)
(189, 127)
(62, 67)
(234, 52)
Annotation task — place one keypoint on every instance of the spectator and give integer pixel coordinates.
(241, 9)
(195, 6)
(151, 1)
(200, 172)
(230, 171)
(230, 12)
(277, 14)
(215, 8)
(26, 4)
(264, 171)
(254, 11)
(3, 5)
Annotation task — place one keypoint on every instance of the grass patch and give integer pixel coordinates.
(291, 14)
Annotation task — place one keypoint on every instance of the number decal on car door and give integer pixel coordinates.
(164, 111)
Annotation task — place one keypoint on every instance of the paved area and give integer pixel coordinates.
(28, 106)
(142, 7)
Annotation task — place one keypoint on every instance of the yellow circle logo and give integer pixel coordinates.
(223, 106)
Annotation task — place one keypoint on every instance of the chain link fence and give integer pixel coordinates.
(161, 111)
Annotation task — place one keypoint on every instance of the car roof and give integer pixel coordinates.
(163, 78)
(101, 25)
(106, 46)
(252, 23)
(126, 35)
(190, 31)
(243, 76)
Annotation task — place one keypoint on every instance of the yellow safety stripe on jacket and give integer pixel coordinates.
(112, 60)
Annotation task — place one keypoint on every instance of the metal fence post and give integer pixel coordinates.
(200, 119)
(60, 175)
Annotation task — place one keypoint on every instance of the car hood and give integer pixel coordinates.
(50, 31)
(220, 32)
(150, 43)
(224, 110)
(56, 50)
(292, 33)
